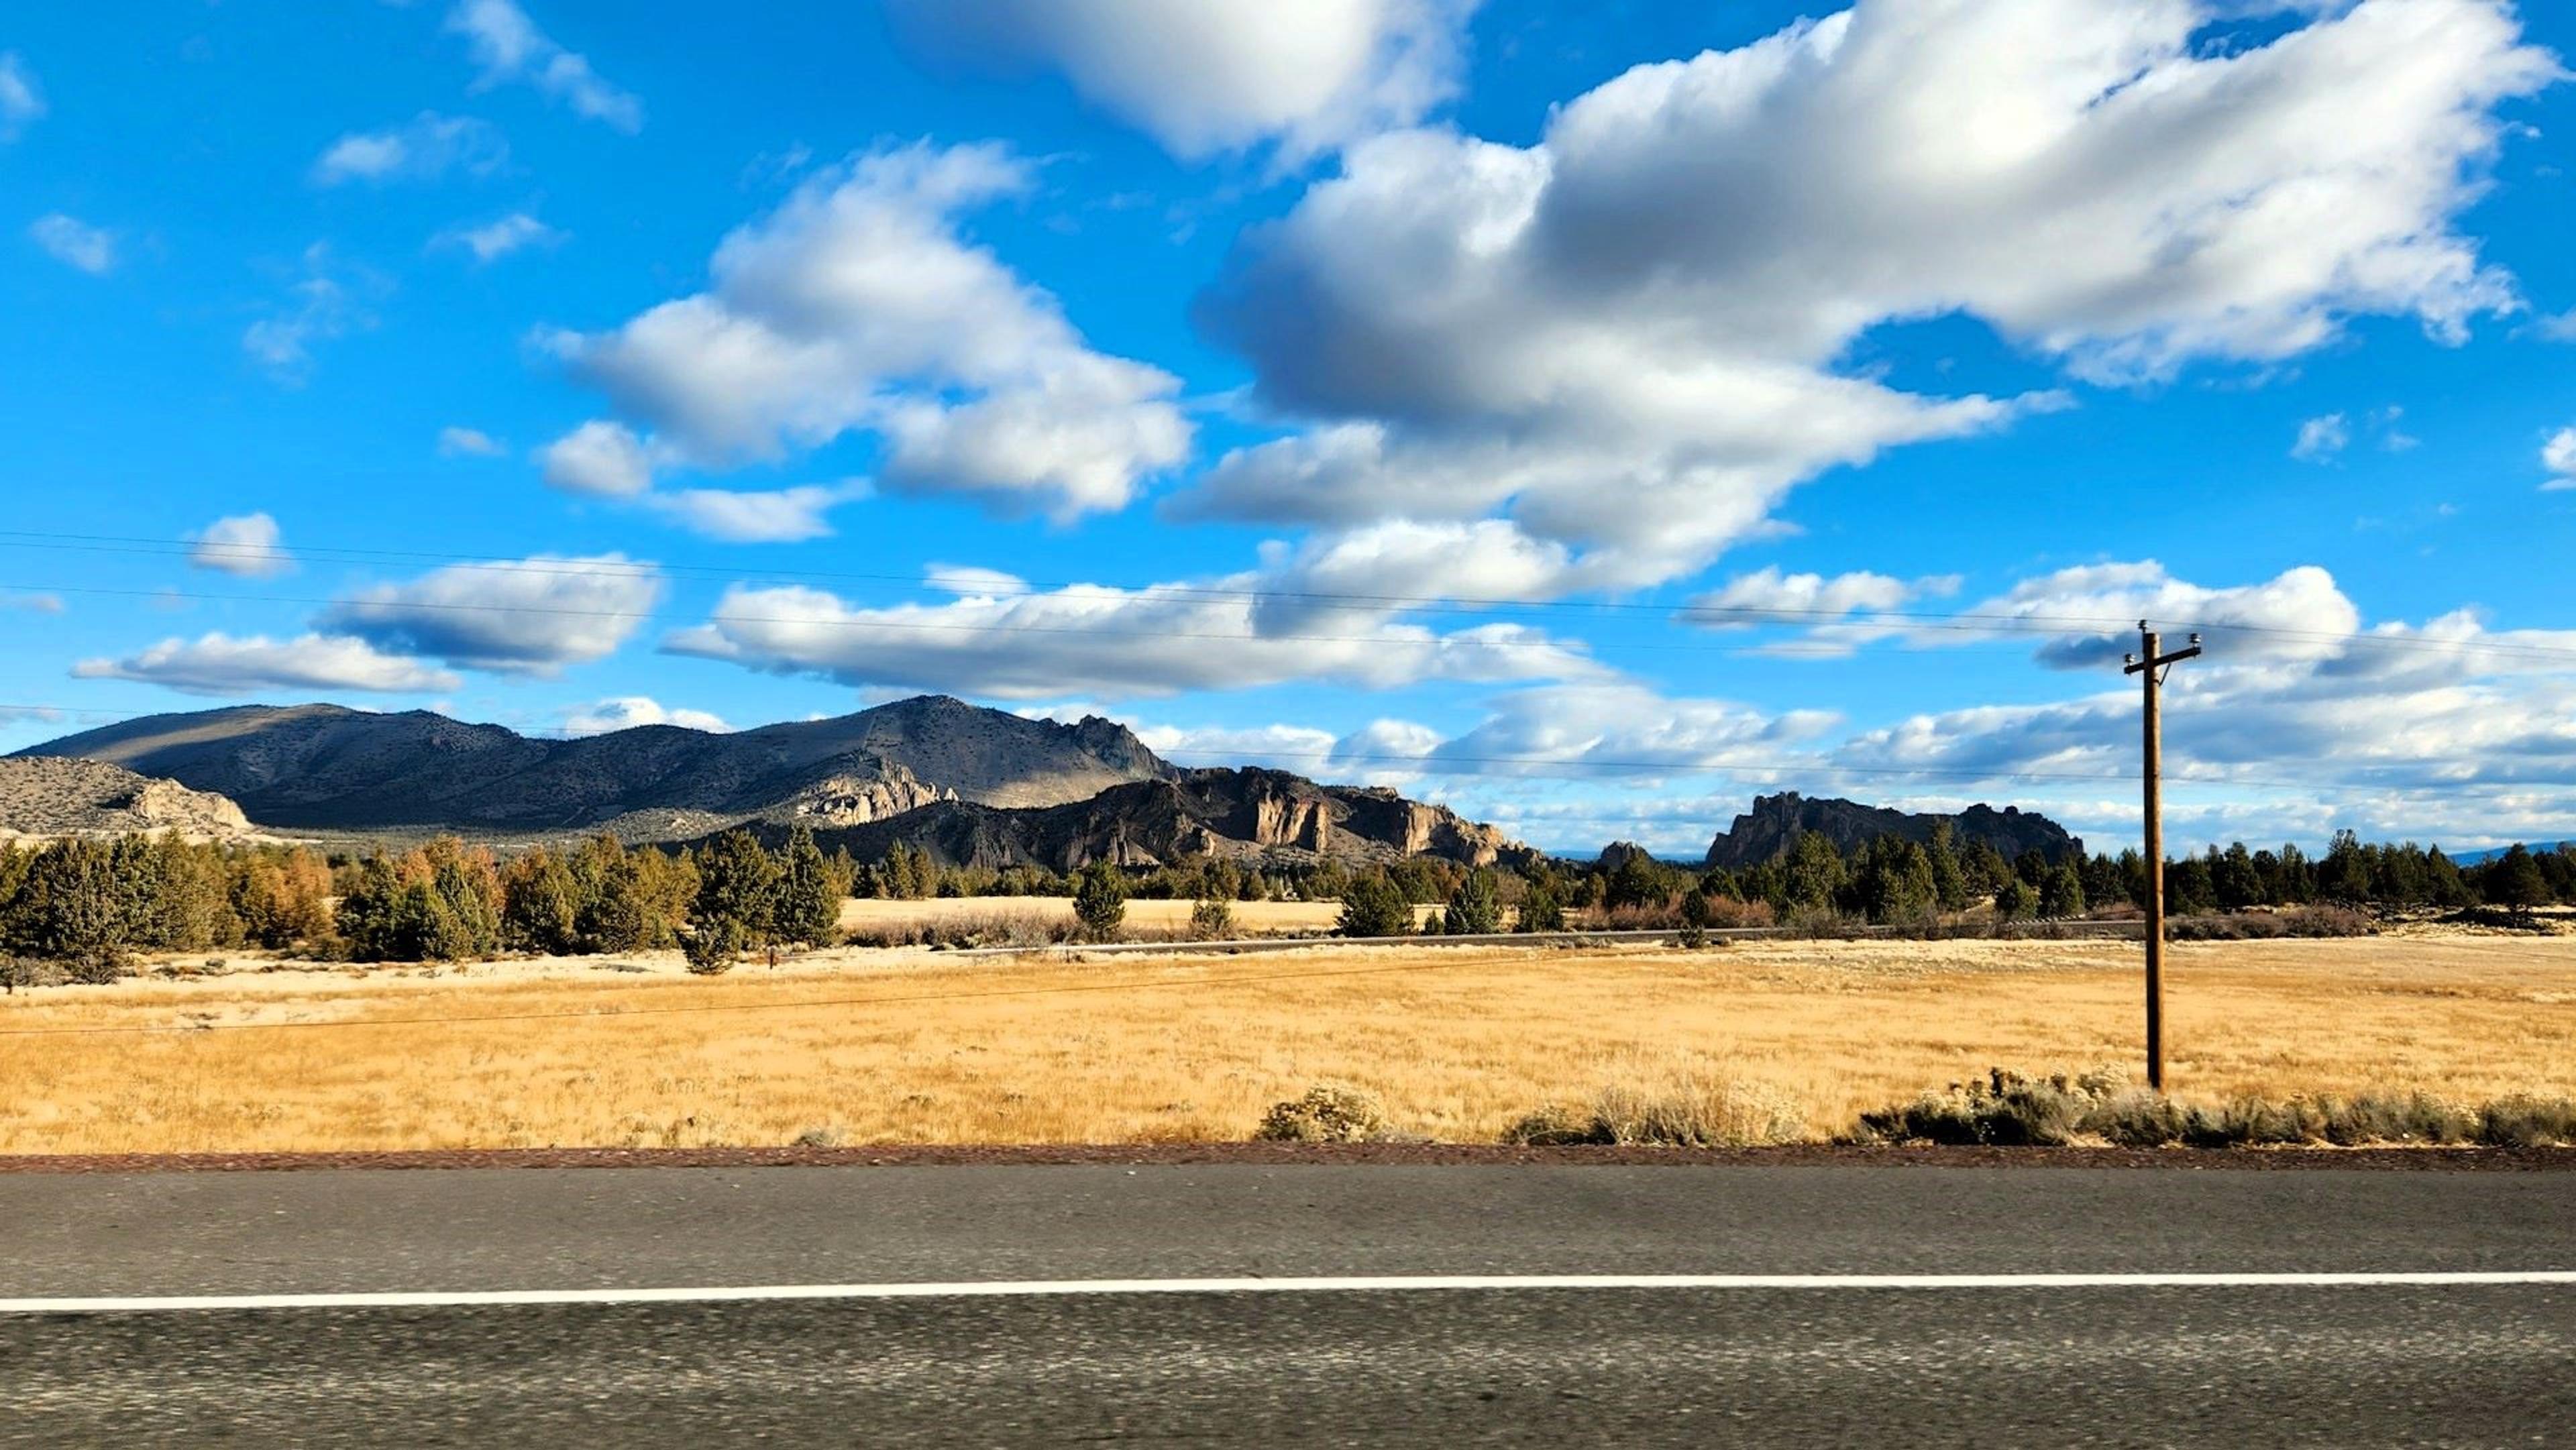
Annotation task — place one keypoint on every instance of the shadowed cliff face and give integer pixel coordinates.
(1767, 830)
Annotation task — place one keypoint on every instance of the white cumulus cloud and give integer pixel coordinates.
(1629, 338)
(247, 545)
(625, 712)
(223, 664)
(600, 458)
(523, 616)
(2558, 455)
(858, 306)
(762, 516)
(1204, 76)
(1216, 634)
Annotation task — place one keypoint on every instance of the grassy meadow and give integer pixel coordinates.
(859, 1047)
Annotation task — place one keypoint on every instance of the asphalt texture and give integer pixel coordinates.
(2098, 1365)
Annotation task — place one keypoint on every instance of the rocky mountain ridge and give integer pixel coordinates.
(326, 767)
(968, 785)
(1775, 821)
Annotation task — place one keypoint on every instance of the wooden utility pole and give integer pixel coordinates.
(2150, 667)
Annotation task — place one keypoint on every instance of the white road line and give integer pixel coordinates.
(1057, 1288)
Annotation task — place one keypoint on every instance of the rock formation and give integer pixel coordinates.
(1766, 831)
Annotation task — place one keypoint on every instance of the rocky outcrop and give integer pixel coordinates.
(1242, 814)
(1775, 822)
(52, 796)
(855, 800)
(1281, 819)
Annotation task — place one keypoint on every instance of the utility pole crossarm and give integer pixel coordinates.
(2160, 662)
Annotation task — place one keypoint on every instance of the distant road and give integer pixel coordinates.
(2068, 1353)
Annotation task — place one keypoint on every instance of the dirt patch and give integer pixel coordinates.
(1327, 1155)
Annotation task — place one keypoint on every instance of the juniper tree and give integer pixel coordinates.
(2515, 882)
(1476, 907)
(1100, 900)
(1373, 906)
(809, 894)
(540, 904)
(737, 883)
(1542, 909)
(1815, 870)
(2061, 895)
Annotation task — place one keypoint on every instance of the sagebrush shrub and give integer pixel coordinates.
(1328, 1113)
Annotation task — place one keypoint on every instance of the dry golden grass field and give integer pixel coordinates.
(1251, 918)
(925, 1047)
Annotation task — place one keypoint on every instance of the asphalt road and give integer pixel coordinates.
(1842, 1359)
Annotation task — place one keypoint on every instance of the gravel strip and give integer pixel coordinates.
(1288, 1154)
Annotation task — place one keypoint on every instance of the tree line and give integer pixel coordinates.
(84, 906)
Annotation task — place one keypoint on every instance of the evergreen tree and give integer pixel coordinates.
(737, 882)
(468, 891)
(540, 905)
(2187, 887)
(1100, 900)
(713, 946)
(1634, 883)
(1815, 871)
(1949, 882)
(69, 909)
(1542, 909)
(2444, 886)
(1212, 918)
(1892, 881)
(2105, 880)
(1373, 906)
(281, 897)
(2015, 900)
(2343, 876)
(2234, 884)
(809, 893)
(2062, 895)
(2297, 883)
(1476, 907)
(2514, 882)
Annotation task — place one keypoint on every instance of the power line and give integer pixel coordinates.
(1890, 620)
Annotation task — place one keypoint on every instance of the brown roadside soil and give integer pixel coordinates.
(2522, 1160)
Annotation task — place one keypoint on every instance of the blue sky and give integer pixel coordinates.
(1371, 387)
